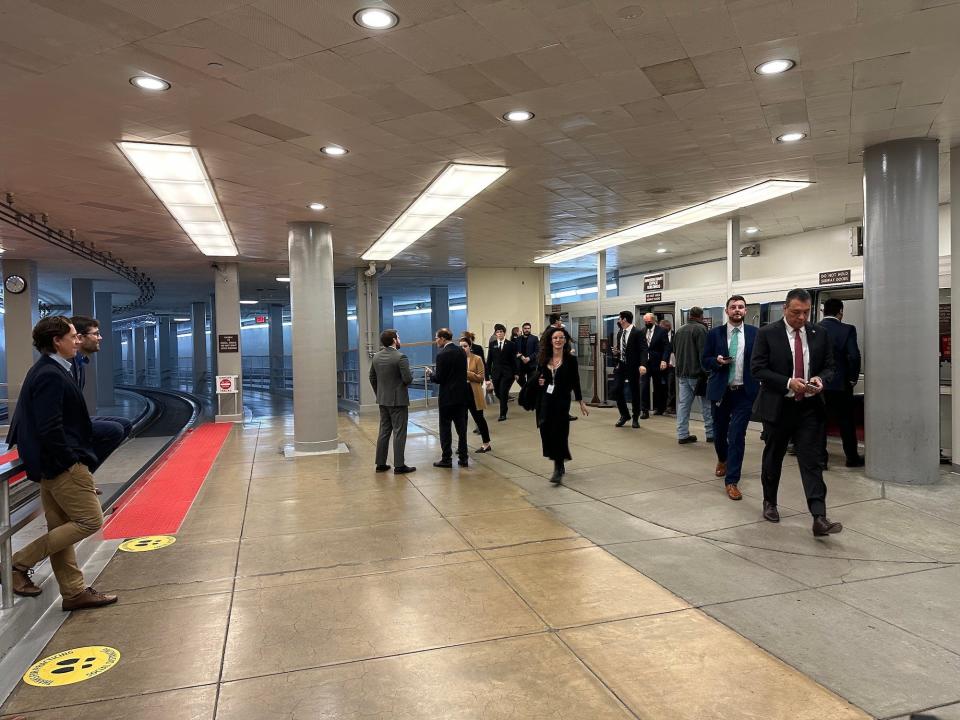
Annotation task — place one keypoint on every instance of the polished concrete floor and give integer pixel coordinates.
(316, 588)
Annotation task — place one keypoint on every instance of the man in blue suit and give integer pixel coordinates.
(731, 390)
(838, 392)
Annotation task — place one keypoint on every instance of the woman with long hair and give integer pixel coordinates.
(558, 376)
(476, 401)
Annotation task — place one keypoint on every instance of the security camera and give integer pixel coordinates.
(372, 270)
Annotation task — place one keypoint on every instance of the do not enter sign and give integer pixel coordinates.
(226, 384)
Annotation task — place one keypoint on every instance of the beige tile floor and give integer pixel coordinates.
(316, 588)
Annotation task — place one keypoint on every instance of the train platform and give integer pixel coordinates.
(317, 588)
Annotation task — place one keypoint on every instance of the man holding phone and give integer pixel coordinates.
(792, 359)
(731, 390)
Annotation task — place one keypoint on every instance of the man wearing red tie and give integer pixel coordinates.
(791, 359)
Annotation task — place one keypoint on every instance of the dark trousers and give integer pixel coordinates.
(670, 383)
(840, 408)
(108, 433)
(478, 419)
(393, 421)
(528, 370)
(653, 379)
(621, 376)
(501, 388)
(801, 422)
(456, 414)
(730, 418)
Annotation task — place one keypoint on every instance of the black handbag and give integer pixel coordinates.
(529, 392)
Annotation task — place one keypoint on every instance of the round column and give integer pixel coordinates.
(313, 329)
(902, 396)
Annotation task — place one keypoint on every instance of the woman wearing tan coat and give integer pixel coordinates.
(475, 379)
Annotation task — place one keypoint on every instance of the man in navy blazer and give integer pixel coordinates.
(793, 360)
(731, 390)
(451, 376)
(54, 437)
(838, 392)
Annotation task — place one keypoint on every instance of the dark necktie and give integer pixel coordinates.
(798, 361)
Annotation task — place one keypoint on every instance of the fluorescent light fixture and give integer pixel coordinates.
(453, 187)
(334, 150)
(752, 230)
(774, 67)
(712, 208)
(791, 137)
(375, 18)
(249, 302)
(317, 207)
(571, 292)
(148, 82)
(283, 279)
(661, 251)
(181, 319)
(177, 176)
(518, 116)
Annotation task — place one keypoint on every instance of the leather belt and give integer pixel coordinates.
(735, 387)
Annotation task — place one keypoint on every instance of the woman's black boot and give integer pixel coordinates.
(557, 476)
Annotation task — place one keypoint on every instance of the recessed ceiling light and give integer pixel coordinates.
(518, 116)
(375, 18)
(774, 67)
(283, 279)
(752, 230)
(334, 150)
(317, 206)
(661, 251)
(791, 137)
(249, 302)
(147, 82)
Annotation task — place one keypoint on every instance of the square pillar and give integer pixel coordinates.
(20, 314)
(106, 358)
(226, 341)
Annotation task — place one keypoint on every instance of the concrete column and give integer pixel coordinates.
(116, 349)
(139, 355)
(440, 313)
(103, 309)
(174, 355)
(733, 253)
(275, 344)
(900, 265)
(386, 312)
(20, 314)
(198, 325)
(310, 247)
(226, 305)
(214, 355)
(128, 367)
(343, 342)
(955, 304)
(150, 344)
(164, 354)
(368, 336)
(599, 360)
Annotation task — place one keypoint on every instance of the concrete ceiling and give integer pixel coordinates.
(642, 108)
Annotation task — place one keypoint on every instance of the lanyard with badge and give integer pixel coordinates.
(553, 377)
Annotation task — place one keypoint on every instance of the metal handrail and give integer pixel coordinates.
(29, 509)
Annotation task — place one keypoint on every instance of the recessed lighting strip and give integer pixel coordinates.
(177, 176)
(455, 186)
(712, 208)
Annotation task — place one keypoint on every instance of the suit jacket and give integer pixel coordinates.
(477, 350)
(451, 376)
(80, 363)
(390, 375)
(715, 345)
(772, 365)
(636, 354)
(846, 354)
(658, 349)
(51, 425)
(475, 376)
(501, 363)
(528, 346)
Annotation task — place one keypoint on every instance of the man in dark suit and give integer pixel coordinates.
(501, 367)
(451, 376)
(528, 345)
(390, 377)
(731, 390)
(54, 437)
(658, 353)
(792, 360)
(629, 352)
(838, 392)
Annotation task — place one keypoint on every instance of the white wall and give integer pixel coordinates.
(511, 296)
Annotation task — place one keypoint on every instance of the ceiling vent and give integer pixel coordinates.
(750, 250)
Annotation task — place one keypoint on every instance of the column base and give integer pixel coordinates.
(322, 447)
(228, 418)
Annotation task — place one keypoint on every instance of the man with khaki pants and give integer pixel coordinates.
(54, 437)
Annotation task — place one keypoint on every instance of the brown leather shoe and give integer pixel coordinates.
(733, 492)
(721, 469)
(770, 512)
(89, 598)
(22, 584)
(822, 525)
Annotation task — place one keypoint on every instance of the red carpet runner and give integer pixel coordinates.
(167, 492)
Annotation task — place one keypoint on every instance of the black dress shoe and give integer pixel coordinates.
(635, 423)
(382, 468)
(687, 440)
(476, 431)
(463, 462)
(557, 477)
(571, 418)
(822, 525)
(483, 450)
(501, 418)
(658, 412)
(622, 421)
(823, 467)
(443, 463)
(403, 469)
(858, 462)
(770, 512)
(644, 415)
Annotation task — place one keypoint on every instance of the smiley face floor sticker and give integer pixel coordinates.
(149, 542)
(72, 666)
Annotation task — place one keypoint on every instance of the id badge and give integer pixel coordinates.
(550, 389)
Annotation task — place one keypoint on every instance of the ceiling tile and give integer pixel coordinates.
(555, 64)
(471, 83)
(883, 97)
(674, 77)
(721, 68)
(705, 31)
(880, 71)
(761, 20)
(652, 45)
(514, 25)
(267, 31)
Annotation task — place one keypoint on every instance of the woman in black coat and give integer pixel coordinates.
(558, 376)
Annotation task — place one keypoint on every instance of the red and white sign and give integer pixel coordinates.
(226, 384)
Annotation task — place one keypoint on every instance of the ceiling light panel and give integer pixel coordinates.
(712, 208)
(177, 176)
(456, 185)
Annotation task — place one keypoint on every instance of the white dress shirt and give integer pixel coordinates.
(741, 351)
(623, 341)
(793, 354)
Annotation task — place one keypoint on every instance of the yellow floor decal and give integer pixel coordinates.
(72, 666)
(149, 542)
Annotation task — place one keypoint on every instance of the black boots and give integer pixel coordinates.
(558, 471)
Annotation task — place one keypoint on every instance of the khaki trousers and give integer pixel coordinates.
(73, 512)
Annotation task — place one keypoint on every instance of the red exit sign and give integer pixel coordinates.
(261, 319)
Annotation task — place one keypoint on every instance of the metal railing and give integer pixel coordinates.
(11, 522)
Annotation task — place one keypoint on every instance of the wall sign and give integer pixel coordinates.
(226, 384)
(657, 281)
(583, 331)
(653, 297)
(228, 343)
(835, 277)
(261, 319)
